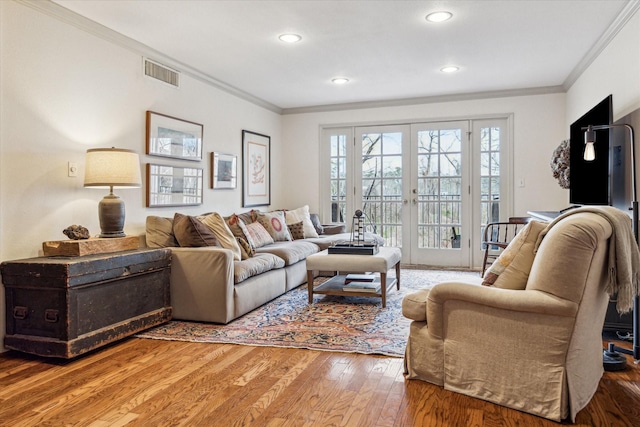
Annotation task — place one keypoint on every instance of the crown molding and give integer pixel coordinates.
(425, 100)
(62, 14)
(67, 16)
(621, 20)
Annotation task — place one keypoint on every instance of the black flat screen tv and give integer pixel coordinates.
(590, 183)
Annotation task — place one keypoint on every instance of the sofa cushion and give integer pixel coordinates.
(255, 265)
(291, 252)
(275, 224)
(257, 235)
(159, 232)
(301, 215)
(227, 240)
(192, 233)
(511, 269)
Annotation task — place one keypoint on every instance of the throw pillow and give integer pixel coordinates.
(247, 235)
(159, 232)
(258, 234)
(511, 269)
(275, 224)
(315, 220)
(233, 223)
(239, 229)
(192, 233)
(302, 214)
(249, 217)
(296, 230)
(216, 223)
(246, 251)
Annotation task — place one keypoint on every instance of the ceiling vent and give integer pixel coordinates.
(160, 72)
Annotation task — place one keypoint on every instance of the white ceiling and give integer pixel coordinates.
(386, 48)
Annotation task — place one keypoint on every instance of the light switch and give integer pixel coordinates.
(72, 169)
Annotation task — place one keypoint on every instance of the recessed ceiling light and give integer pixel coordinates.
(340, 80)
(439, 16)
(290, 38)
(450, 69)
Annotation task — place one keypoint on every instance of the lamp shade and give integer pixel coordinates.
(112, 167)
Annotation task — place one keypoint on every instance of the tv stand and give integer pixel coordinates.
(569, 208)
(547, 216)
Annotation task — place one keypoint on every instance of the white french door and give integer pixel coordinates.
(428, 188)
(381, 166)
(439, 200)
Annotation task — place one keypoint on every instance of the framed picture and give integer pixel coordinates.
(171, 137)
(256, 169)
(223, 171)
(173, 186)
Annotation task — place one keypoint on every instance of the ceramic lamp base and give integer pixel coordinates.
(111, 215)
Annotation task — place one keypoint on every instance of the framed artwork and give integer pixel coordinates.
(223, 171)
(172, 137)
(173, 186)
(256, 169)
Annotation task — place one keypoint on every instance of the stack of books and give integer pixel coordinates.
(361, 283)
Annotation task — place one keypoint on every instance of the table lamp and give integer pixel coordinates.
(112, 167)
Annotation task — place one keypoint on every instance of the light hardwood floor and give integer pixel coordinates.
(139, 382)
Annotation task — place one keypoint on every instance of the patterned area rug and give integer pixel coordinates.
(332, 323)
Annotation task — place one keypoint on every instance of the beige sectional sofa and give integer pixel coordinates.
(212, 283)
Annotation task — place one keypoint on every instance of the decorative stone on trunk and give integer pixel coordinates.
(76, 232)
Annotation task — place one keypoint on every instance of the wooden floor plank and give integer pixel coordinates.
(293, 403)
(207, 386)
(139, 382)
(284, 380)
(61, 379)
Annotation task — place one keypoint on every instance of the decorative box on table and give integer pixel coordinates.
(351, 248)
(66, 306)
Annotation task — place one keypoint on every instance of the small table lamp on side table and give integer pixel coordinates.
(109, 168)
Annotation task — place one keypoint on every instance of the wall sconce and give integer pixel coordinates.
(112, 167)
(613, 361)
(589, 141)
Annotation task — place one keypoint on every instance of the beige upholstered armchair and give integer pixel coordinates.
(535, 347)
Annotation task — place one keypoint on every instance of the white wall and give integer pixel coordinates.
(539, 127)
(64, 91)
(615, 71)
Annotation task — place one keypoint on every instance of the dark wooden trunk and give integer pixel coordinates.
(66, 306)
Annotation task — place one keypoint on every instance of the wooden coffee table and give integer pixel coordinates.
(386, 259)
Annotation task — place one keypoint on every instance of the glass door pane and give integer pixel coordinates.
(382, 168)
(492, 182)
(338, 178)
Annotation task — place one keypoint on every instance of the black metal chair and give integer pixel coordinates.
(498, 235)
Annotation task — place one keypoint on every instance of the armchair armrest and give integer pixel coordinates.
(511, 302)
(333, 228)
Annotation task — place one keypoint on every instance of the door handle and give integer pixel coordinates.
(405, 201)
